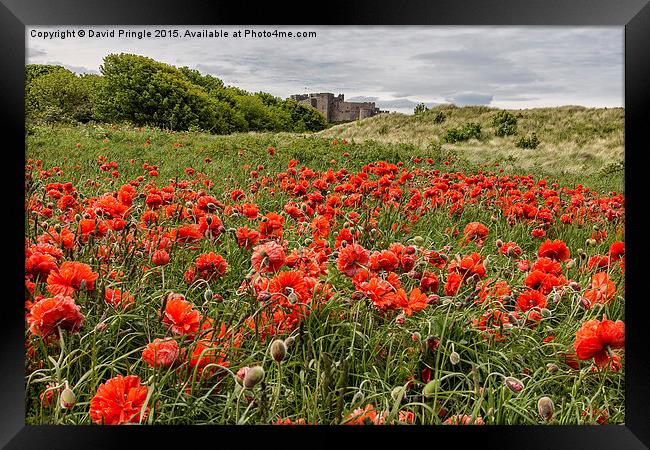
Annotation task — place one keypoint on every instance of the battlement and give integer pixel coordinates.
(335, 108)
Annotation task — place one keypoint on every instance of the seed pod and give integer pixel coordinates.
(430, 388)
(253, 377)
(288, 342)
(514, 384)
(207, 295)
(397, 393)
(278, 350)
(68, 399)
(552, 368)
(358, 397)
(454, 358)
(545, 407)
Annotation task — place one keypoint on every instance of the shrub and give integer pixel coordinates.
(528, 142)
(439, 117)
(420, 108)
(505, 123)
(58, 95)
(468, 131)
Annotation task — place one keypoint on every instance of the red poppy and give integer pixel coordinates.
(119, 401)
(180, 316)
(268, 257)
(531, 299)
(366, 416)
(161, 353)
(352, 259)
(160, 258)
(47, 314)
(464, 419)
(210, 265)
(595, 338)
(117, 298)
(475, 231)
(602, 289)
(70, 277)
(557, 250)
(386, 261)
(246, 237)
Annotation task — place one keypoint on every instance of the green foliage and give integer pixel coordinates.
(528, 142)
(420, 108)
(146, 92)
(57, 95)
(439, 117)
(505, 123)
(470, 130)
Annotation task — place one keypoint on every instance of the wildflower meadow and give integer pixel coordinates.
(279, 278)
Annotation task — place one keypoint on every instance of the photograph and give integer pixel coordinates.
(324, 225)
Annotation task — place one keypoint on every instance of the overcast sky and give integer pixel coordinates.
(397, 66)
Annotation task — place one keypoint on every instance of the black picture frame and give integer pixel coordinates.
(634, 15)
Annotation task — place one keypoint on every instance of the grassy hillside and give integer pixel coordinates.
(573, 139)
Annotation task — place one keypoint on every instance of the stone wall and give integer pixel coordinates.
(336, 109)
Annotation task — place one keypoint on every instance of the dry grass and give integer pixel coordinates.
(573, 139)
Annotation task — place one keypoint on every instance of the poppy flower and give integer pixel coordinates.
(415, 302)
(161, 353)
(119, 401)
(47, 314)
(602, 289)
(383, 261)
(352, 259)
(595, 338)
(464, 419)
(160, 258)
(475, 231)
(557, 250)
(210, 265)
(180, 316)
(268, 257)
(70, 277)
(531, 299)
(288, 283)
(367, 415)
(117, 298)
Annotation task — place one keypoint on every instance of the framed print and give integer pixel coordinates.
(375, 221)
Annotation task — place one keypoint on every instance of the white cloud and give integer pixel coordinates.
(399, 66)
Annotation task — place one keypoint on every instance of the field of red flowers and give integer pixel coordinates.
(175, 278)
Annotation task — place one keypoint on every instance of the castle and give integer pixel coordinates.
(336, 109)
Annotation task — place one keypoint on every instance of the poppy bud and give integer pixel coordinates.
(430, 388)
(358, 397)
(584, 302)
(292, 297)
(241, 373)
(401, 318)
(397, 393)
(278, 350)
(254, 376)
(208, 219)
(454, 358)
(308, 241)
(570, 264)
(546, 313)
(357, 295)
(211, 207)
(552, 368)
(490, 413)
(416, 337)
(574, 285)
(207, 295)
(83, 285)
(433, 299)
(264, 296)
(590, 242)
(494, 219)
(433, 343)
(582, 254)
(68, 399)
(514, 384)
(545, 408)
(499, 243)
(288, 342)
(418, 240)
(101, 326)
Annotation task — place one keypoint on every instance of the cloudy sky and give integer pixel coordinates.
(396, 66)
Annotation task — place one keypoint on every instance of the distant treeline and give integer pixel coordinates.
(142, 91)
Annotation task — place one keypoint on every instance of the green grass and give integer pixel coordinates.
(346, 354)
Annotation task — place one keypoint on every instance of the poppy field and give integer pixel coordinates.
(184, 278)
